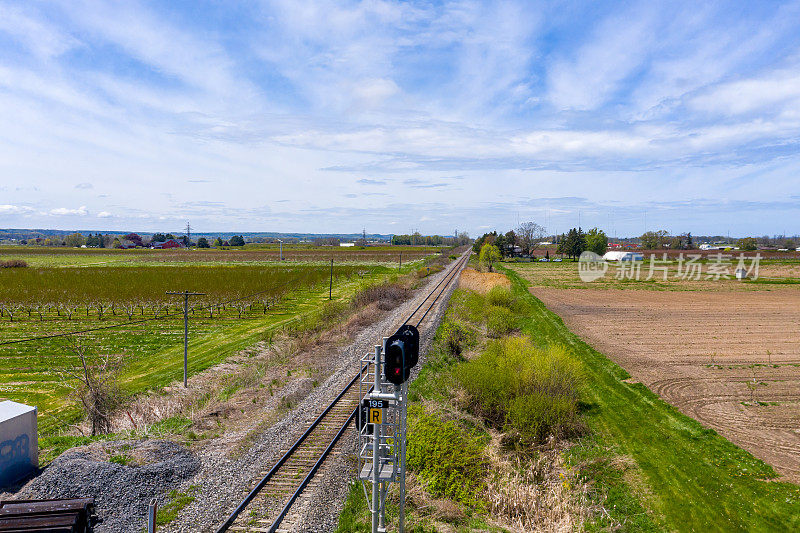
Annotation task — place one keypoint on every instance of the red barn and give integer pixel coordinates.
(172, 243)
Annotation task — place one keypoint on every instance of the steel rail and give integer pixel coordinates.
(453, 269)
(274, 527)
(253, 493)
(433, 303)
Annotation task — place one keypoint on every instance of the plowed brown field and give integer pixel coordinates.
(731, 360)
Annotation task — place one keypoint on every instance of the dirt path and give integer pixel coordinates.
(729, 360)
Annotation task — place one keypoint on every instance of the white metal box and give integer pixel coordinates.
(19, 442)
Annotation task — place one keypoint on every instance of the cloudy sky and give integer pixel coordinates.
(393, 116)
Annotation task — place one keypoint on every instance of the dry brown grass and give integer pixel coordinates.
(482, 282)
(537, 493)
(385, 295)
(13, 263)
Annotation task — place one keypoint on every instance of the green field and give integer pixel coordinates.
(143, 327)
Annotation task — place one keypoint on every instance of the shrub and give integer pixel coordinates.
(426, 271)
(388, 295)
(469, 306)
(500, 296)
(331, 311)
(499, 321)
(529, 391)
(455, 337)
(448, 459)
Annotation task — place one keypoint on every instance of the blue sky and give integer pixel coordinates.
(394, 116)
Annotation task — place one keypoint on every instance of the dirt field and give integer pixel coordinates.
(482, 282)
(728, 359)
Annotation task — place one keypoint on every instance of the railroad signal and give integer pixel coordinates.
(402, 354)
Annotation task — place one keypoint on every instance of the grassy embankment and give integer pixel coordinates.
(694, 480)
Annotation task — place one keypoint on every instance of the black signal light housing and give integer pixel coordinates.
(402, 354)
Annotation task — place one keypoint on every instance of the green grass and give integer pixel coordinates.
(41, 256)
(448, 459)
(353, 518)
(175, 503)
(695, 479)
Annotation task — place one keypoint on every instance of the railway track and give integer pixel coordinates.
(269, 505)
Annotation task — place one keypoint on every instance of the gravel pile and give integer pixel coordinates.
(121, 492)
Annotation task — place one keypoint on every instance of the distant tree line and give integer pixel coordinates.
(417, 239)
(128, 240)
(326, 241)
(530, 236)
(524, 240)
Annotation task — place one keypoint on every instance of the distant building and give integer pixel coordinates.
(171, 243)
(623, 256)
(347, 244)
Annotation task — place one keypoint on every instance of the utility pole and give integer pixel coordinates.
(188, 235)
(330, 290)
(401, 262)
(186, 295)
(281, 255)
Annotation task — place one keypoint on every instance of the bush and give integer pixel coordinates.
(448, 459)
(455, 338)
(13, 263)
(388, 295)
(500, 296)
(426, 271)
(499, 321)
(331, 311)
(469, 306)
(529, 391)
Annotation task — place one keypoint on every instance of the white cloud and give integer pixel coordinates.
(8, 209)
(372, 92)
(62, 211)
(42, 38)
(596, 69)
(319, 96)
(753, 94)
